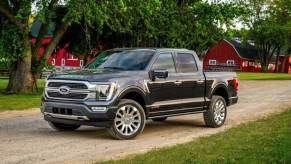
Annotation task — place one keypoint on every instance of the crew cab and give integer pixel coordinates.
(122, 88)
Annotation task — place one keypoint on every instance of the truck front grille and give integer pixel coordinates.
(71, 85)
(68, 90)
(75, 96)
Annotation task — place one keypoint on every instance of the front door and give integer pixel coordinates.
(164, 92)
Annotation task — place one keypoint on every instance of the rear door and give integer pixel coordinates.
(192, 87)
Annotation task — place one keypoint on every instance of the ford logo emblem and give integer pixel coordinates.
(64, 90)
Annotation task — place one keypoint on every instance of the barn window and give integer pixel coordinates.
(230, 62)
(212, 62)
(63, 62)
(53, 61)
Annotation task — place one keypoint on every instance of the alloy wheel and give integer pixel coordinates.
(127, 120)
(219, 112)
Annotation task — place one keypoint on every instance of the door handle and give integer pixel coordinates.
(200, 81)
(178, 82)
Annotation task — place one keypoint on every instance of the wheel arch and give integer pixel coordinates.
(220, 90)
(136, 94)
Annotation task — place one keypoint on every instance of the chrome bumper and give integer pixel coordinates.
(70, 117)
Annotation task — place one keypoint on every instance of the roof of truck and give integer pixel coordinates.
(149, 48)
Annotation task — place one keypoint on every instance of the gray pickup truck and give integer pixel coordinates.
(122, 88)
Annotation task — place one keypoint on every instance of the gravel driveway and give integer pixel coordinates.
(26, 138)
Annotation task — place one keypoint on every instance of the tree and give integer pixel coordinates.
(15, 43)
(159, 23)
(268, 27)
(280, 10)
(269, 38)
(83, 24)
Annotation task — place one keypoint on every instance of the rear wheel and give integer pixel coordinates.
(129, 120)
(159, 119)
(216, 114)
(63, 127)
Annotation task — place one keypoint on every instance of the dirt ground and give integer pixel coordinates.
(26, 138)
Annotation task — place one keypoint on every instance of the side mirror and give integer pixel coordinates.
(160, 74)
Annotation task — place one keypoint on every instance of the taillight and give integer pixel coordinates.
(234, 84)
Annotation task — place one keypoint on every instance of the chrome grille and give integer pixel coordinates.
(70, 85)
(76, 90)
(75, 96)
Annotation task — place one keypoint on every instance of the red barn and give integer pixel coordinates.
(231, 54)
(60, 57)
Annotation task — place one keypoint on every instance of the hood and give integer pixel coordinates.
(91, 75)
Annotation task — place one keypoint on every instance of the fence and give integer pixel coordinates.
(222, 67)
(5, 73)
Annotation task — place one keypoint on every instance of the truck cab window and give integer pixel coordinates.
(165, 61)
(186, 63)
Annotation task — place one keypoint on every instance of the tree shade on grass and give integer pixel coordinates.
(264, 141)
(19, 101)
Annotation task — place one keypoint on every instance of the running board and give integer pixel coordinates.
(178, 114)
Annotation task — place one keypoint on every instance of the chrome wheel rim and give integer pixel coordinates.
(219, 112)
(127, 120)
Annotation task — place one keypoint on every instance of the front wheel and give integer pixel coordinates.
(129, 120)
(63, 127)
(216, 114)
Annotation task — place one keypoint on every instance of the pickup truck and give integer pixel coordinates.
(122, 88)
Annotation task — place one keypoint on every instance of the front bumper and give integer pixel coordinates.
(78, 113)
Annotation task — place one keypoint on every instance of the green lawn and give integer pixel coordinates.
(21, 101)
(264, 141)
(263, 76)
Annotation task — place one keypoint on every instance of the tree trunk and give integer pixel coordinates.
(264, 68)
(21, 79)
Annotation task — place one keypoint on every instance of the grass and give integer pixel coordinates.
(19, 101)
(264, 141)
(263, 76)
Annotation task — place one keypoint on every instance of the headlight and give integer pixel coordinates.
(105, 92)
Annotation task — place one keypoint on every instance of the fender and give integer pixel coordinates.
(134, 89)
(217, 86)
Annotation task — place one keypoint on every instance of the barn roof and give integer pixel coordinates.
(245, 51)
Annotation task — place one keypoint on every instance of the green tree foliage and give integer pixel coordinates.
(269, 23)
(269, 38)
(157, 23)
(86, 24)
(15, 41)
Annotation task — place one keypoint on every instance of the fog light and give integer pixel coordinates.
(97, 108)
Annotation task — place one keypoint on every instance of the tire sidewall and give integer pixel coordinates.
(124, 102)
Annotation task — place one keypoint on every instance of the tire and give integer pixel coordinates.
(215, 116)
(159, 119)
(63, 127)
(129, 120)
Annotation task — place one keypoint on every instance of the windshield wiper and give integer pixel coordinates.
(120, 68)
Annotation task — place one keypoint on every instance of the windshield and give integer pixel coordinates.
(125, 60)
